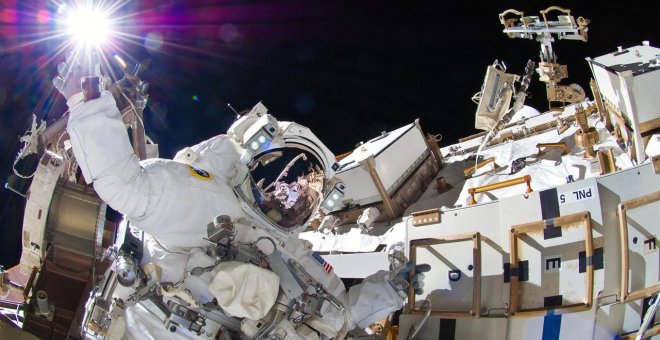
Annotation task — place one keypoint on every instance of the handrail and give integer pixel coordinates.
(556, 8)
(566, 221)
(510, 11)
(30, 282)
(623, 228)
(560, 145)
(503, 184)
(481, 164)
(343, 155)
(475, 310)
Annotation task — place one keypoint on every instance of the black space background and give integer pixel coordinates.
(346, 69)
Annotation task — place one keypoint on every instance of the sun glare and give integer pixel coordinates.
(88, 27)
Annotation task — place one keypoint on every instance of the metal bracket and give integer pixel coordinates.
(622, 210)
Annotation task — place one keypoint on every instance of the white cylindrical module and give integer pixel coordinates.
(126, 270)
(42, 302)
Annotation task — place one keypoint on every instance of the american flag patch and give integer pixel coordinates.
(326, 266)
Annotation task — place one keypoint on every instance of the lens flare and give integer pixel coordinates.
(121, 62)
(88, 26)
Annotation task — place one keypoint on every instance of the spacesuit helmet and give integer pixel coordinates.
(289, 168)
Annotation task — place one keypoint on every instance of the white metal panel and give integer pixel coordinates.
(643, 257)
(482, 328)
(578, 325)
(483, 218)
(619, 319)
(632, 55)
(632, 182)
(645, 89)
(521, 209)
(515, 210)
(630, 102)
(643, 224)
(444, 293)
(397, 159)
(352, 239)
(36, 212)
(609, 85)
(359, 186)
(494, 292)
(590, 203)
(599, 196)
(529, 328)
(396, 155)
(609, 321)
(627, 80)
(373, 147)
(553, 268)
(358, 265)
(572, 326)
(632, 316)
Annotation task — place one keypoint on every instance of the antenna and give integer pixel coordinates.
(232, 108)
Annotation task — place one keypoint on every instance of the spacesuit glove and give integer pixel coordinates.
(417, 280)
(79, 77)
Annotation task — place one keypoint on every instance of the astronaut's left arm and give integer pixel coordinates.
(365, 303)
(373, 299)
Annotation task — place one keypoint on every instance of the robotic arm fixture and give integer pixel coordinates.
(543, 30)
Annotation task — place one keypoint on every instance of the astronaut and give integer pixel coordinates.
(207, 190)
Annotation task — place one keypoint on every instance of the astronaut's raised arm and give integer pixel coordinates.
(170, 200)
(103, 151)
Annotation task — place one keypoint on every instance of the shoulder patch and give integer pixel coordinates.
(199, 173)
(320, 260)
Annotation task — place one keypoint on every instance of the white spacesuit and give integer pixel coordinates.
(174, 202)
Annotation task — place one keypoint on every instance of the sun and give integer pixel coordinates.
(88, 26)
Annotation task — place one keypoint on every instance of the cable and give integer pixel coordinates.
(133, 108)
(167, 250)
(29, 138)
